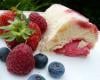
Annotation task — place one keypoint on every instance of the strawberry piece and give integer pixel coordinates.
(34, 39)
(38, 19)
(36, 28)
(72, 49)
(5, 18)
(20, 61)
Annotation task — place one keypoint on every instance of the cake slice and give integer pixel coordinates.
(68, 32)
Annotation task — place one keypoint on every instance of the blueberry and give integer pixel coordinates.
(56, 69)
(36, 77)
(40, 60)
(4, 51)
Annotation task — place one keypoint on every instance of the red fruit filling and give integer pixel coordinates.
(72, 49)
(88, 25)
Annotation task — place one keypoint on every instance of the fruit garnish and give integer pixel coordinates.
(38, 19)
(5, 18)
(4, 51)
(56, 69)
(40, 60)
(16, 30)
(20, 60)
(34, 39)
(21, 30)
(36, 77)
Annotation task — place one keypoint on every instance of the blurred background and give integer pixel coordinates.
(89, 8)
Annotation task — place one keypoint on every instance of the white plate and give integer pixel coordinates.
(77, 68)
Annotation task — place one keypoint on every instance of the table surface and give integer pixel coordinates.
(77, 68)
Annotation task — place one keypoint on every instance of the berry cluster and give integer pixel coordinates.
(21, 61)
(15, 28)
(55, 69)
(22, 36)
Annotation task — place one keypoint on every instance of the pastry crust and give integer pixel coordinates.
(64, 26)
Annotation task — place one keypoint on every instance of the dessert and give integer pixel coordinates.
(20, 60)
(67, 32)
(56, 69)
(66, 28)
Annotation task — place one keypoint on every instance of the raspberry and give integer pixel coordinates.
(38, 19)
(34, 39)
(20, 61)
